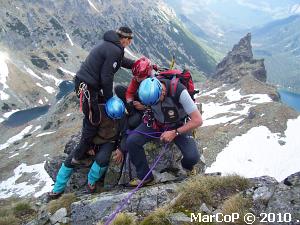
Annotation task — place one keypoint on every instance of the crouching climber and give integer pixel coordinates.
(141, 69)
(172, 114)
(109, 137)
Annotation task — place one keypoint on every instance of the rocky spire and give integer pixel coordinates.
(239, 62)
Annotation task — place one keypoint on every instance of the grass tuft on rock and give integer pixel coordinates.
(14, 212)
(122, 219)
(158, 217)
(9, 220)
(237, 204)
(211, 190)
(64, 201)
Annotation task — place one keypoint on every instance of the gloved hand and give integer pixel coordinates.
(130, 107)
(155, 67)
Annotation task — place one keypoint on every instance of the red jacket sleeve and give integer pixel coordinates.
(131, 90)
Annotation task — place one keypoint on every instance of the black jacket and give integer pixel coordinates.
(102, 63)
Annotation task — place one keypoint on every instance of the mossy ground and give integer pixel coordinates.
(16, 211)
(64, 201)
(215, 191)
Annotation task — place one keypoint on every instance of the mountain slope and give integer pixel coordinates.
(42, 44)
(51, 37)
(279, 43)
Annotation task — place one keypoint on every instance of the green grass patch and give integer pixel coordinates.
(122, 219)
(237, 204)
(210, 190)
(9, 220)
(13, 211)
(158, 217)
(64, 201)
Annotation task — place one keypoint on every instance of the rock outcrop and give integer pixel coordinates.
(239, 62)
(260, 195)
(167, 169)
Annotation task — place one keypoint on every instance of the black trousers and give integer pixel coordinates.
(89, 130)
(136, 141)
(102, 157)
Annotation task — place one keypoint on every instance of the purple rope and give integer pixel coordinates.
(125, 201)
(149, 134)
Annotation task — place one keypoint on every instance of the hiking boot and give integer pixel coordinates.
(192, 172)
(53, 196)
(135, 182)
(91, 188)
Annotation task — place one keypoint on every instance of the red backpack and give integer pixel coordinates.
(183, 77)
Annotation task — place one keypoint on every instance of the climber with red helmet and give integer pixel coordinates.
(141, 69)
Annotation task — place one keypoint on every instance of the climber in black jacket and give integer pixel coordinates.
(94, 81)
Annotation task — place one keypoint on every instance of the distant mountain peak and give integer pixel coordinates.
(239, 62)
(243, 48)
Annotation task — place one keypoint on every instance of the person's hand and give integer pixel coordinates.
(118, 156)
(168, 136)
(138, 105)
(130, 107)
(91, 152)
(155, 67)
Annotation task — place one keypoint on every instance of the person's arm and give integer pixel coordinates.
(121, 142)
(131, 90)
(127, 63)
(195, 118)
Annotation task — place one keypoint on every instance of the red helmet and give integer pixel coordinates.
(142, 68)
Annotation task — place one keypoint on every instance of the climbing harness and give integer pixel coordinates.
(84, 94)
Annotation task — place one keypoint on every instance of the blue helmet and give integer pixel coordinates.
(115, 108)
(149, 91)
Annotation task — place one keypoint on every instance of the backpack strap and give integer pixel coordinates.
(173, 86)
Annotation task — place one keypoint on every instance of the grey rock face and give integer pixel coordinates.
(286, 199)
(144, 201)
(167, 169)
(59, 216)
(179, 219)
(281, 199)
(239, 62)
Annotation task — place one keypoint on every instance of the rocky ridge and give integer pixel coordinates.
(43, 43)
(239, 62)
(264, 194)
(251, 101)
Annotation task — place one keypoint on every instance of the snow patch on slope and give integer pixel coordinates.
(67, 71)
(38, 178)
(93, 6)
(16, 138)
(215, 113)
(49, 76)
(70, 40)
(3, 76)
(49, 89)
(28, 70)
(45, 133)
(261, 153)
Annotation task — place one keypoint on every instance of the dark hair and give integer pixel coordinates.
(125, 32)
